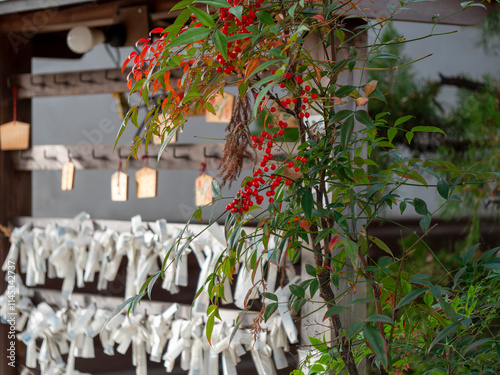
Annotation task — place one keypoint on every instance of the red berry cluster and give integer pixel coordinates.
(253, 187)
(231, 25)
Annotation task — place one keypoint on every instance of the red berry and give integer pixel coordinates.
(301, 115)
(297, 157)
(282, 85)
(305, 100)
(307, 88)
(297, 169)
(290, 164)
(288, 76)
(280, 132)
(307, 115)
(303, 160)
(271, 200)
(314, 96)
(273, 109)
(288, 182)
(218, 69)
(273, 167)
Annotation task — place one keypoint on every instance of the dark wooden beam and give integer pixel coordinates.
(15, 185)
(99, 14)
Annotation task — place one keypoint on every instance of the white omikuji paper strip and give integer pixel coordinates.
(77, 251)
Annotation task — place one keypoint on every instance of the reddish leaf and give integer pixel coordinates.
(334, 241)
(319, 17)
(370, 87)
(157, 30)
(304, 225)
(251, 66)
(361, 102)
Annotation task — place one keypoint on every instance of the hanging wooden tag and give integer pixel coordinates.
(156, 139)
(203, 191)
(68, 176)
(146, 182)
(119, 187)
(223, 106)
(14, 136)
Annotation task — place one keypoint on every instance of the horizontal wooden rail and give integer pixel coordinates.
(150, 307)
(76, 83)
(175, 156)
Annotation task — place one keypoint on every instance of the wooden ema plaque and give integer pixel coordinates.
(162, 124)
(223, 106)
(119, 187)
(146, 179)
(68, 176)
(14, 136)
(203, 190)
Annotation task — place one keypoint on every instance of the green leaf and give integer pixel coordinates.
(209, 327)
(409, 136)
(346, 132)
(189, 36)
(215, 188)
(220, 41)
(197, 214)
(362, 117)
(443, 188)
(410, 297)
(475, 345)
(420, 206)
(165, 143)
(382, 245)
(203, 17)
(307, 203)
(379, 318)
(427, 129)
(402, 120)
(297, 291)
(311, 271)
(376, 343)
(345, 91)
(237, 11)
(270, 309)
(436, 291)
(339, 116)
(271, 296)
(265, 17)
(402, 207)
(334, 310)
(182, 4)
(351, 249)
(215, 3)
(445, 332)
(262, 93)
(391, 133)
(354, 328)
(425, 222)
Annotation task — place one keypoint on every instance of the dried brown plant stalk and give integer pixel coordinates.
(238, 142)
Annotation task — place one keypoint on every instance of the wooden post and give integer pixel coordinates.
(15, 186)
(312, 323)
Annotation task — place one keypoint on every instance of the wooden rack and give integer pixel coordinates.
(102, 81)
(175, 156)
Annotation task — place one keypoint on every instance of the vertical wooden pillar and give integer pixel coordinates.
(15, 186)
(312, 323)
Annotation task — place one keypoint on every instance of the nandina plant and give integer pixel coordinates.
(312, 197)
